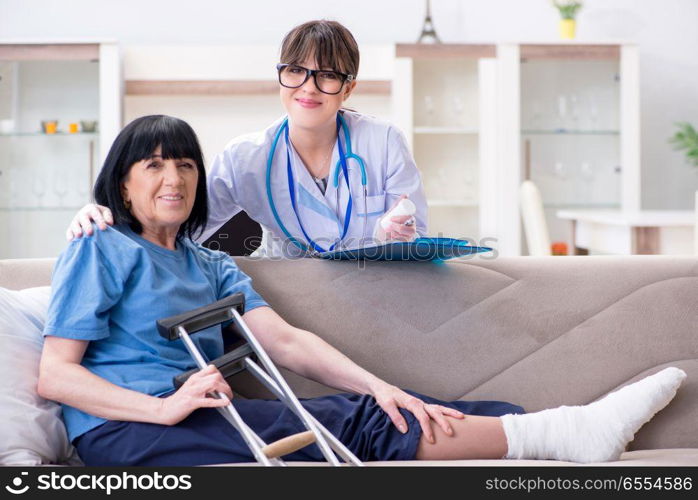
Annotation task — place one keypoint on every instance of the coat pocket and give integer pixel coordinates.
(374, 207)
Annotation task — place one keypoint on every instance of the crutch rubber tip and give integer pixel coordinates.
(289, 444)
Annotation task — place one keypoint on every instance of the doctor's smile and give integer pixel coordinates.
(308, 103)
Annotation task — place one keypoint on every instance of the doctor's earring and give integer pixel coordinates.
(127, 204)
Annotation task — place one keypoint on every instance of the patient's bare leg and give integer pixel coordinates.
(473, 437)
(597, 432)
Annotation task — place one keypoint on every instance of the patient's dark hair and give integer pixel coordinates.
(138, 141)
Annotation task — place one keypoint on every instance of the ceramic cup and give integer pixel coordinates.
(88, 125)
(49, 126)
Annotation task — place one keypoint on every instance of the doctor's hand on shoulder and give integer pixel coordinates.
(82, 222)
(398, 223)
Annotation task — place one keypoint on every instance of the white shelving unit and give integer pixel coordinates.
(437, 102)
(45, 178)
(445, 130)
(578, 126)
(482, 118)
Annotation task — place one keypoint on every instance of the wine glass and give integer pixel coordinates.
(593, 113)
(470, 191)
(561, 111)
(536, 116)
(83, 189)
(14, 181)
(60, 187)
(458, 108)
(39, 189)
(574, 111)
(586, 172)
(429, 109)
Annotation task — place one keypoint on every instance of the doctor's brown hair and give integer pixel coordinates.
(328, 43)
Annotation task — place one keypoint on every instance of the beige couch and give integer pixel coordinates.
(539, 332)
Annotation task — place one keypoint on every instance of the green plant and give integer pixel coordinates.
(568, 8)
(686, 138)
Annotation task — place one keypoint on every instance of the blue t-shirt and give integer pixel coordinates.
(111, 288)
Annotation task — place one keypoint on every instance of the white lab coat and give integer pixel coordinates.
(237, 181)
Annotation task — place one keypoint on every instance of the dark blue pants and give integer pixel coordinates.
(205, 437)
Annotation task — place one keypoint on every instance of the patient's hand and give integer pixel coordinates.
(391, 399)
(194, 395)
(82, 222)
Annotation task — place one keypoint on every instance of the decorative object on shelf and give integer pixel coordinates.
(73, 128)
(88, 125)
(428, 34)
(568, 10)
(558, 248)
(49, 126)
(7, 126)
(686, 138)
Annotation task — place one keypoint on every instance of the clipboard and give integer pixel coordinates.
(419, 250)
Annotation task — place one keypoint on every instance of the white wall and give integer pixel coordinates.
(665, 29)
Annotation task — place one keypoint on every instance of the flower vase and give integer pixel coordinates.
(567, 28)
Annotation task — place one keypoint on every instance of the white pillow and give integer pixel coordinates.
(31, 429)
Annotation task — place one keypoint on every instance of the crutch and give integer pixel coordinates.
(182, 326)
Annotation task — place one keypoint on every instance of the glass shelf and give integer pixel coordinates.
(451, 203)
(39, 209)
(445, 130)
(563, 131)
(57, 134)
(574, 206)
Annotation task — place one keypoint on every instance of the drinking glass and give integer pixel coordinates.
(429, 109)
(39, 189)
(586, 172)
(561, 111)
(458, 108)
(60, 187)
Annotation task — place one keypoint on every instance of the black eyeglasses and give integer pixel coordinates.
(293, 76)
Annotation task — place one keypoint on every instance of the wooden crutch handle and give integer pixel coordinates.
(289, 444)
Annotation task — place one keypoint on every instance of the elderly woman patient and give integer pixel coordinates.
(105, 362)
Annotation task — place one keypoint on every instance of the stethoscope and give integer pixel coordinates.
(341, 166)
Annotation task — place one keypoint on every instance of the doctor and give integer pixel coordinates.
(321, 178)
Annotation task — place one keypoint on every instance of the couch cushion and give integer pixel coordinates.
(17, 274)
(687, 457)
(684, 457)
(539, 332)
(31, 430)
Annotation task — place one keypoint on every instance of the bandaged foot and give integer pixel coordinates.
(597, 432)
